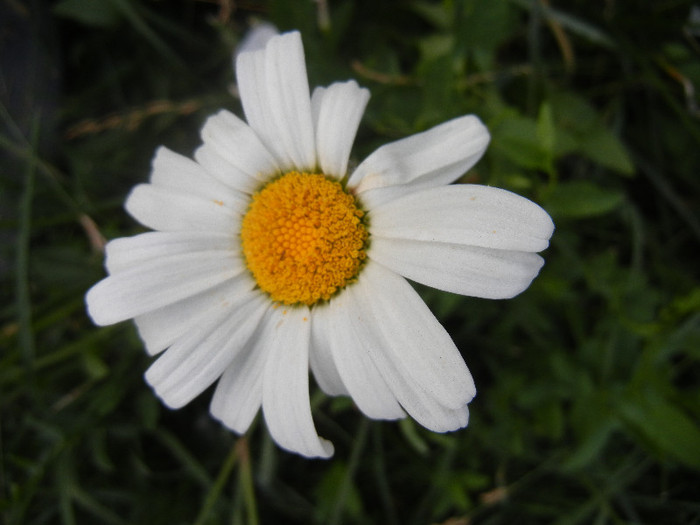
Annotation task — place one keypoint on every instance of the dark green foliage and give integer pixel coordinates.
(588, 408)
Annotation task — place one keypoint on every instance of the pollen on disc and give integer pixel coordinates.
(303, 238)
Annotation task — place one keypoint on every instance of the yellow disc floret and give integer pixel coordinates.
(303, 238)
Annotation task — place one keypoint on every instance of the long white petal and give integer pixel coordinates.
(432, 158)
(418, 395)
(168, 210)
(321, 357)
(275, 95)
(418, 341)
(234, 154)
(250, 76)
(354, 364)
(286, 404)
(158, 283)
(176, 172)
(162, 327)
(126, 252)
(466, 214)
(199, 358)
(337, 112)
(456, 268)
(239, 392)
(256, 37)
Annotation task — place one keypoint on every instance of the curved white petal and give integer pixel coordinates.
(126, 252)
(320, 356)
(180, 174)
(418, 341)
(167, 210)
(239, 392)
(432, 158)
(456, 268)
(423, 384)
(162, 327)
(234, 154)
(199, 358)
(286, 404)
(357, 371)
(466, 214)
(337, 113)
(275, 96)
(256, 37)
(157, 283)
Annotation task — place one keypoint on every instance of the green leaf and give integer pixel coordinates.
(545, 128)
(410, 433)
(546, 134)
(666, 428)
(587, 134)
(439, 15)
(580, 199)
(516, 137)
(482, 26)
(603, 147)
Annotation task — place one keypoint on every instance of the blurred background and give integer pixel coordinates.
(588, 406)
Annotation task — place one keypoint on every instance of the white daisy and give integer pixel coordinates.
(269, 258)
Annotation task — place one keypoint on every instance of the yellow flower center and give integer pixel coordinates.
(303, 238)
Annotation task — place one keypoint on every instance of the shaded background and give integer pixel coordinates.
(588, 408)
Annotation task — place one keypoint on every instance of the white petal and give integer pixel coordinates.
(178, 173)
(250, 75)
(355, 367)
(199, 358)
(127, 252)
(466, 214)
(275, 96)
(432, 158)
(257, 37)
(286, 404)
(385, 345)
(456, 268)
(234, 154)
(162, 327)
(418, 341)
(316, 103)
(320, 356)
(158, 283)
(337, 112)
(167, 210)
(238, 395)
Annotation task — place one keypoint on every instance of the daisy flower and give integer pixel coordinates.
(270, 258)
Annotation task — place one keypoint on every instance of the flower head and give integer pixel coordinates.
(268, 258)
